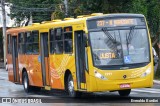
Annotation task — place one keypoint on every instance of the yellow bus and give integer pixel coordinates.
(93, 53)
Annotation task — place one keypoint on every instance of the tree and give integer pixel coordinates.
(39, 9)
(42, 10)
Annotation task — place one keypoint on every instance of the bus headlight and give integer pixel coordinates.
(148, 71)
(100, 76)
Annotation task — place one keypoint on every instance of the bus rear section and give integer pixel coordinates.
(12, 58)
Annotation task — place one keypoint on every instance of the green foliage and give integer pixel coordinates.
(58, 13)
(153, 16)
(157, 74)
(22, 9)
(138, 6)
(149, 8)
(40, 10)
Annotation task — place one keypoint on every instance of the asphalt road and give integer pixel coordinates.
(146, 96)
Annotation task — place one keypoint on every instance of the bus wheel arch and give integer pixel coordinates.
(66, 75)
(69, 85)
(23, 70)
(25, 81)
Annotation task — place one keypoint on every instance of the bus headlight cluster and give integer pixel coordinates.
(148, 71)
(100, 76)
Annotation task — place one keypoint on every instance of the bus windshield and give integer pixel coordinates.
(119, 46)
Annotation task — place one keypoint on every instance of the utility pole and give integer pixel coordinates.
(66, 7)
(4, 29)
(30, 19)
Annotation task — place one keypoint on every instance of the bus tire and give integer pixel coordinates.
(124, 92)
(27, 87)
(70, 88)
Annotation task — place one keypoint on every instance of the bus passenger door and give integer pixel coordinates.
(80, 59)
(15, 59)
(44, 58)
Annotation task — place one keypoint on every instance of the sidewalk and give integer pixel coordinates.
(1, 65)
(156, 82)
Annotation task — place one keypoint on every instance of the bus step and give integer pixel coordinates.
(47, 88)
(83, 90)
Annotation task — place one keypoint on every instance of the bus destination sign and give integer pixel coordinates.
(114, 22)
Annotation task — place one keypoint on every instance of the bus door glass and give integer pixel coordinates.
(80, 58)
(44, 58)
(15, 59)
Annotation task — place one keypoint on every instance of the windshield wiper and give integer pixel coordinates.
(130, 36)
(109, 35)
(114, 41)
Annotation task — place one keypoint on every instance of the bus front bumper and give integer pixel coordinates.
(114, 85)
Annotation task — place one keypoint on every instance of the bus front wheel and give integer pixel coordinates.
(124, 92)
(70, 88)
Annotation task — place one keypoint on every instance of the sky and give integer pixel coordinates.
(9, 22)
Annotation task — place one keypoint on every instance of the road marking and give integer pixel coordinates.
(156, 82)
(146, 90)
(150, 89)
(133, 93)
(4, 73)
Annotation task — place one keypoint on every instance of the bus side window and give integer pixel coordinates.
(68, 43)
(35, 42)
(58, 41)
(28, 43)
(21, 45)
(52, 41)
(9, 44)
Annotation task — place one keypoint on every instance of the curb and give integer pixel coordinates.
(156, 82)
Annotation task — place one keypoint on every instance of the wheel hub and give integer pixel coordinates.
(25, 83)
(70, 86)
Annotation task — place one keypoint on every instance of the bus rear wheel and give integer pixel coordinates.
(124, 92)
(26, 82)
(70, 88)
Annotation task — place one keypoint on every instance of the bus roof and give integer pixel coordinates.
(48, 25)
(69, 21)
(125, 15)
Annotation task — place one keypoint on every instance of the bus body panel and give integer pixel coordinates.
(115, 79)
(10, 68)
(22, 65)
(34, 70)
(58, 64)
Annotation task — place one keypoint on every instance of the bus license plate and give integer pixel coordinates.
(125, 86)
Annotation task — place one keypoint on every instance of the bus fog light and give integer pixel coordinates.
(147, 72)
(100, 76)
